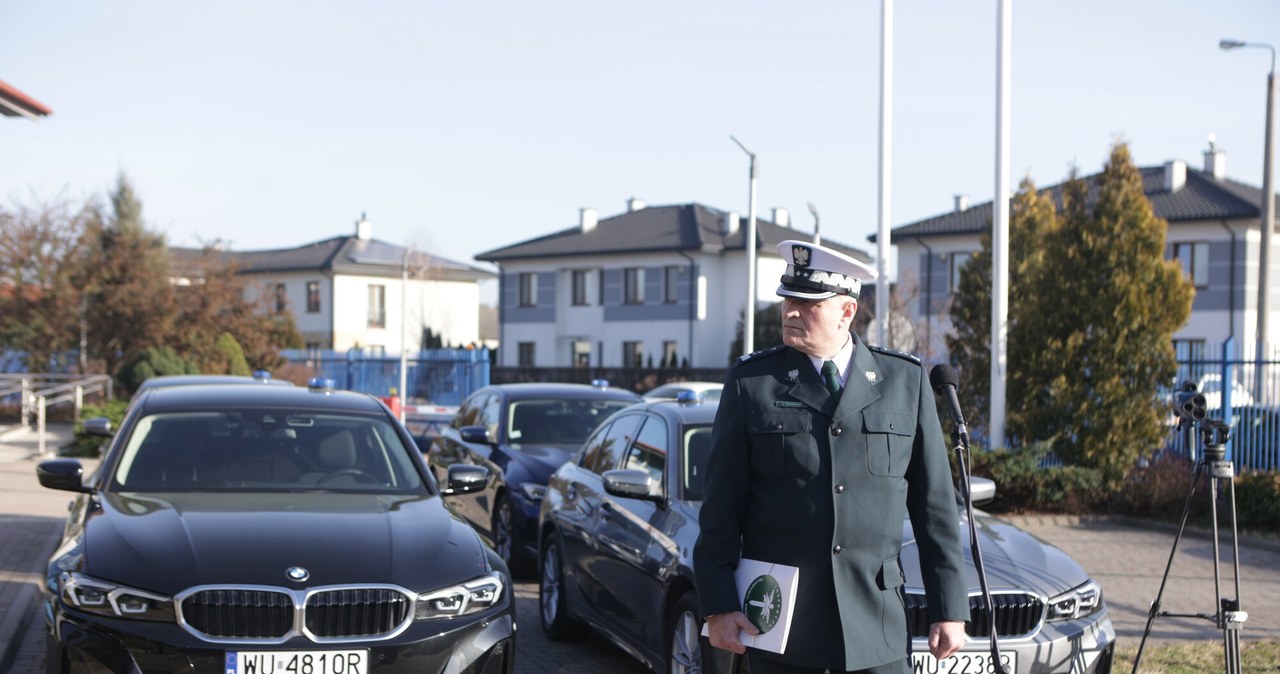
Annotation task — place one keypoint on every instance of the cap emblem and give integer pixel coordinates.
(801, 255)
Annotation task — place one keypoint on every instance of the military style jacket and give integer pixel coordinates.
(796, 476)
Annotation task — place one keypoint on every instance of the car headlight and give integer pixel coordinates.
(110, 599)
(533, 491)
(1077, 603)
(473, 596)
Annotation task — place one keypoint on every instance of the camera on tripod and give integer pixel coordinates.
(1190, 404)
(1191, 408)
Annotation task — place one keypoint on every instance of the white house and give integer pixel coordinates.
(1213, 230)
(658, 284)
(349, 291)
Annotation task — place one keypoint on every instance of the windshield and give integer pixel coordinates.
(557, 422)
(264, 449)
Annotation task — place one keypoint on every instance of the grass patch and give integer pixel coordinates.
(1195, 657)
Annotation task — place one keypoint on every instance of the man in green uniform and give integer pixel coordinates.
(821, 446)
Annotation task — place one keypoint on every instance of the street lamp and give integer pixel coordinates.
(1268, 220)
(749, 242)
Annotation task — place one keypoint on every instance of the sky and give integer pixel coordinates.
(460, 127)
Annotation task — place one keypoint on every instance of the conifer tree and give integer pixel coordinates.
(1097, 320)
(125, 271)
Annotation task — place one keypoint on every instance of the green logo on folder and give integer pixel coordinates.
(762, 603)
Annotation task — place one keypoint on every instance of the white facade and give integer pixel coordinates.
(342, 319)
(1226, 296)
(699, 325)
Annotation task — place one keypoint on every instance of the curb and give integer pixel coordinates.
(1247, 539)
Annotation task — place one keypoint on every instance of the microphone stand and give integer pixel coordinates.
(960, 436)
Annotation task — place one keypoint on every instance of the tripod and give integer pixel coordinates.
(1229, 617)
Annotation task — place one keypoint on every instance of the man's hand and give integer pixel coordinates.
(722, 629)
(945, 638)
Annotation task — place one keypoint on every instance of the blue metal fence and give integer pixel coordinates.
(433, 376)
(1240, 390)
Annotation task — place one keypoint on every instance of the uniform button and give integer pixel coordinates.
(777, 426)
(838, 549)
(891, 426)
(836, 431)
(839, 489)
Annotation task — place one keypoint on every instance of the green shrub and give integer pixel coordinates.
(1024, 484)
(1258, 501)
(151, 362)
(1158, 489)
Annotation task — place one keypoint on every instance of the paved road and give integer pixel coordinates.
(1128, 558)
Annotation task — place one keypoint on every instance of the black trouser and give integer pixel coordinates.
(760, 665)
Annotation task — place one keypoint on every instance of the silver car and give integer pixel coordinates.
(616, 535)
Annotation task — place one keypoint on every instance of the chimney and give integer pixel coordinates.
(781, 217)
(962, 203)
(1175, 175)
(634, 204)
(730, 223)
(1215, 161)
(364, 228)
(588, 218)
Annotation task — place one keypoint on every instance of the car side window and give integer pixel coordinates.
(649, 451)
(606, 451)
(470, 409)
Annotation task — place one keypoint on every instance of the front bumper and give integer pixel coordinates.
(1084, 646)
(82, 643)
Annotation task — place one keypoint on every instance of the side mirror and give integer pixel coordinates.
(983, 490)
(475, 434)
(62, 474)
(466, 478)
(98, 426)
(630, 483)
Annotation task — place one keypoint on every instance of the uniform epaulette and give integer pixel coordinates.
(896, 354)
(762, 353)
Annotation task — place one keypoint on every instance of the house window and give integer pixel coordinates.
(1194, 257)
(524, 357)
(528, 290)
(632, 354)
(958, 261)
(377, 306)
(580, 280)
(633, 285)
(582, 354)
(669, 354)
(282, 298)
(313, 297)
(671, 284)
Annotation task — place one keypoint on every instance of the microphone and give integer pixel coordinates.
(944, 381)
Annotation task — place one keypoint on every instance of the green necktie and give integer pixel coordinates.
(831, 377)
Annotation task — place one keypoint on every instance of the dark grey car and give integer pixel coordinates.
(619, 522)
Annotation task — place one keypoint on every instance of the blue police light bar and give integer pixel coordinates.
(262, 374)
(600, 383)
(320, 384)
(691, 397)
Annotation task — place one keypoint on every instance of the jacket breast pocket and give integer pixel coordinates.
(889, 438)
(781, 444)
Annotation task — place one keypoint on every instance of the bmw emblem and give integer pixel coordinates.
(297, 574)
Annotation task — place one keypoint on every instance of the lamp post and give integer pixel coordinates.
(749, 243)
(817, 233)
(1268, 219)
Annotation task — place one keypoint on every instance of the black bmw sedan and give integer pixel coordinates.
(248, 529)
(520, 433)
